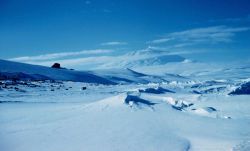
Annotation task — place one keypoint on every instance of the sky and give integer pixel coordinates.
(208, 30)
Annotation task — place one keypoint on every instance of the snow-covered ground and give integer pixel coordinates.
(161, 107)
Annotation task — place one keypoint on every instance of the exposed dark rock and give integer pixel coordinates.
(210, 109)
(196, 92)
(158, 90)
(179, 108)
(207, 109)
(84, 88)
(137, 100)
(56, 65)
(244, 89)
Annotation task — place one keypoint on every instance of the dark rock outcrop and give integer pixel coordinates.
(244, 89)
(158, 90)
(56, 65)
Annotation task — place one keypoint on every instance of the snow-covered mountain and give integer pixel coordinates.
(140, 58)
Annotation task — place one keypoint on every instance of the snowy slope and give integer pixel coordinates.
(52, 73)
(128, 76)
(15, 70)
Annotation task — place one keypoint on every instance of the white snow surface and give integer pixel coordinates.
(196, 114)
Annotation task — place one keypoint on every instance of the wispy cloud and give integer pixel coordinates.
(210, 34)
(172, 51)
(214, 34)
(162, 40)
(113, 43)
(60, 55)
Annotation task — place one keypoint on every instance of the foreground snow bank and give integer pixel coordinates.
(114, 123)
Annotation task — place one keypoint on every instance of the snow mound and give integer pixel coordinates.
(181, 105)
(206, 111)
(122, 101)
(177, 104)
(136, 101)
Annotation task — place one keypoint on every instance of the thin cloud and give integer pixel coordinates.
(59, 55)
(173, 51)
(181, 45)
(113, 43)
(209, 34)
(214, 34)
(162, 40)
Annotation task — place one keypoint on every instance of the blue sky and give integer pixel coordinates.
(211, 30)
